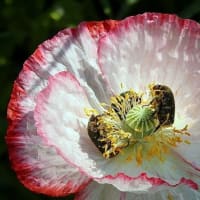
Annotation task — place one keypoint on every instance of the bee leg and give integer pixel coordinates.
(163, 123)
(157, 127)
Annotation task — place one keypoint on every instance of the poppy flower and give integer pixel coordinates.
(110, 110)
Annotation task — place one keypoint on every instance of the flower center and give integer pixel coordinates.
(145, 126)
(141, 120)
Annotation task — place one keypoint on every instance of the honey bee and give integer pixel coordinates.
(96, 136)
(164, 104)
(109, 139)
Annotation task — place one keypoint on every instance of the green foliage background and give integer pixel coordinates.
(25, 24)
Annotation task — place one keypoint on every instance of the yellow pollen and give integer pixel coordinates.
(132, 122)
(129, 158)
(160, 143)
(165, 149)
(170, 197)
(90, 111)
(105, 105)
(139, 154)
(183, 130)
(187, 142)
(121, 85)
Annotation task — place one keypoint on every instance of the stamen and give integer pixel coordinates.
(139, 154)
(122, 103)
(121, 85)
(170, 196)
(90, 111)
(144, 126)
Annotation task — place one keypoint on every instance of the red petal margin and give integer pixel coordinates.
(25, 158)
(99, 29)
(155, 181)
(18, 137)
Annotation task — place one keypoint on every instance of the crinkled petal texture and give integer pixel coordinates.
(106, 192)
(160, 49)
(38, 164)
(80, 68)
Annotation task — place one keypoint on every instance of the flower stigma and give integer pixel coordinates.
(144, 126)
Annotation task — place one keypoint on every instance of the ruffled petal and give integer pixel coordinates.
(151, 48)
(38, 166)
(155, 48)
(178, 193)
(61, 120)
(76, 50)
(98, 191)
(30, 157)
(183, 192)
(128, 176)
(106, 192)
(64, 52)
(59, 112)
(190, 152)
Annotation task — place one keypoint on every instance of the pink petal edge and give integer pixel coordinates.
(15, 137)
(21, 148)
(15, 114)
(154, 181)
(107, 192)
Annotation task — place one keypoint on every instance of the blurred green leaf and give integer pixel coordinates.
(130, 2)
(191, 10)
(57, 14)
(107, 8)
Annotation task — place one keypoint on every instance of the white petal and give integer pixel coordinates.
(177, 193)
(151, 48)
(39, 166)
(107, 192)
(155, 48)
(190, 152)
(77, 51)
(61, 121)
(128, 176)
(98, 191)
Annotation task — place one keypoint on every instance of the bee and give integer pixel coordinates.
(96, 136)
(106, 136)
(164, 104)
